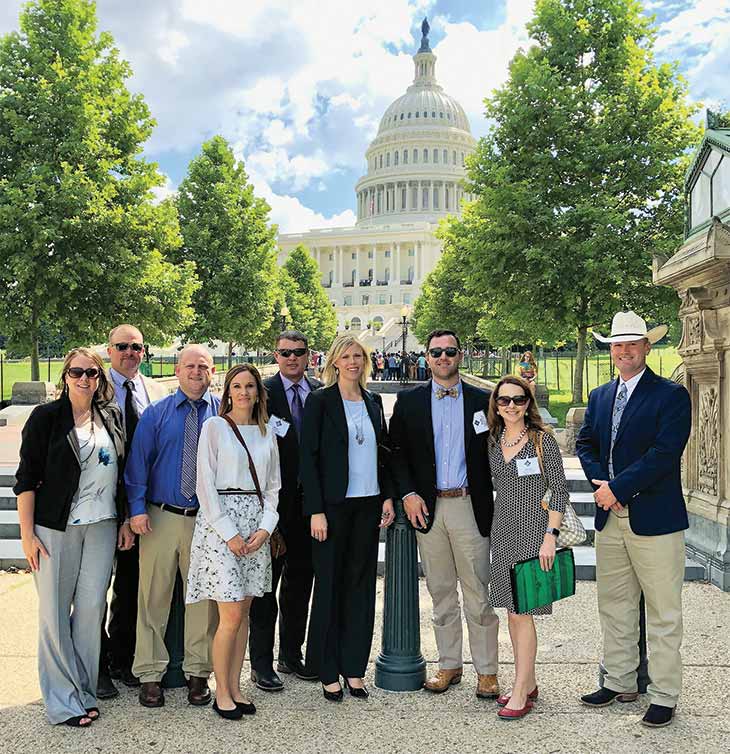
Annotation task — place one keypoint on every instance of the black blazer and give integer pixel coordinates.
(290, 508)
(50, 462)
(323, 460)
(414, 457)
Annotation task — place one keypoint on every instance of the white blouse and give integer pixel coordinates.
(223, 464)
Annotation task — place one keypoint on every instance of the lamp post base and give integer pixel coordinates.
(400, 673)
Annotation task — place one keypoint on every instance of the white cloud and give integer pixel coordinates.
(171, 44)
(165, 191)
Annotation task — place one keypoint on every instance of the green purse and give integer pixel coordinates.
(532, 587)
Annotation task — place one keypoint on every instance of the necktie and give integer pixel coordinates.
(442, 392)
(188, 471)
(297, 407)
(130, 413)
(618, 410)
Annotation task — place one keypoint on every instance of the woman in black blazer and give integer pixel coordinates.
(345, 473)
(71, 504)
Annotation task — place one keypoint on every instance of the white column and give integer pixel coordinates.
(357, 268)
(419, 196)
(338, 260)
(375, 264)
(417, 262)
(442, 199)
(396, 271)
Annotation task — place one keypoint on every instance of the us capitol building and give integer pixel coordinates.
(415, 167)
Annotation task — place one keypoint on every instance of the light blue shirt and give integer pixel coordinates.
(447, 419)
(362, 459)
(139, 393)
(304, 389)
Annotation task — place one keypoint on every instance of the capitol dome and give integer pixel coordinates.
(415, 164)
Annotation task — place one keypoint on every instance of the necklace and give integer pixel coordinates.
(506, 444)
(359, 434)
(90, 443)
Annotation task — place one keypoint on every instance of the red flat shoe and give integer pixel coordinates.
(514, 714)
(503, 700)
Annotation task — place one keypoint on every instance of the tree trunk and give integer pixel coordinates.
(230, 355)
(580, 358)
(35, 368)
(506, 361)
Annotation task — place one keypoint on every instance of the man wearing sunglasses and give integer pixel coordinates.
(287, 394)
(441, 467)
(133, 392)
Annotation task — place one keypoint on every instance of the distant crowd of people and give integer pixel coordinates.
(274, 493)
(389, 366)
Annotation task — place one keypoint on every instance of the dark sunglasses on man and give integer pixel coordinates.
(77, 372)
(505, 400)
(138, 347)
(450, 352)
(287, 352)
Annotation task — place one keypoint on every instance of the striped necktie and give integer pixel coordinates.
(618, 410)
(188, 472)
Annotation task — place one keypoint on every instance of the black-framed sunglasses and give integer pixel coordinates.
(450, 352)
(137, 347)
(287, 352)
(505, 400)
(77, 372)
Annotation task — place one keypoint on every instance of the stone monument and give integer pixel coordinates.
(700, 273)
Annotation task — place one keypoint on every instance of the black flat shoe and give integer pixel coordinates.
(228, 714)
(90, 713)
(75, 722)
(247, 708)
(358, 693)
(332, 696)
(658, 716)
(267, 680)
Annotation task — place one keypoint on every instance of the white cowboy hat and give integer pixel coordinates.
(628, 326)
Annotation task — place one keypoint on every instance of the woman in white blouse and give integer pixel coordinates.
(230, 557)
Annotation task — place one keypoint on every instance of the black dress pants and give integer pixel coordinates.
(294, 571)
(117, 645)
(343, 611)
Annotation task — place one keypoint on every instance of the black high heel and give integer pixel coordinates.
(357, 693)
(228, 714)
(332, 696)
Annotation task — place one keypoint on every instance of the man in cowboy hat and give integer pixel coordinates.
(630, 447)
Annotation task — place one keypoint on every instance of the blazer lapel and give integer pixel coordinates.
(428, 418)
(280, 401)
(609, 397)
(468, 415)
(374, 413)
(336, 410)
(635, 401)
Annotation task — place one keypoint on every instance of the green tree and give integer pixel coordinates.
(81, 242)
(579, 181)
(226, 232)
(310, 309)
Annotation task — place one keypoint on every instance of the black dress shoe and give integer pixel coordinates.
(267, 680)
(604, 697)
(332, 696)
(296, 667)
(658, 716)
(125, 675)
(105, 689)
(358, 693)
(228, 714)
(247, 708)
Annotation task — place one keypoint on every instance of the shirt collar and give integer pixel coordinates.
(119, 379)
(633, 382)
(435, 386)
(181, 398)
(288, 383)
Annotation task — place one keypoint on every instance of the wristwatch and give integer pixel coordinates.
(552, 530)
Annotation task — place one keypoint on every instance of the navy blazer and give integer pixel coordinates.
(654, 430)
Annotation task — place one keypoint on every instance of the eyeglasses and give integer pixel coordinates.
(287, 352)
(124, 346)
(505, 400)
(450, 352)
(77, 372)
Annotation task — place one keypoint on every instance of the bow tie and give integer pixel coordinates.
(442, 392)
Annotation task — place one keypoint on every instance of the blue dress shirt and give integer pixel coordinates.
(447, 420)
(155, 459)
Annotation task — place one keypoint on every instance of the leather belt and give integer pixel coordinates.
(457, 492)
(176, 509)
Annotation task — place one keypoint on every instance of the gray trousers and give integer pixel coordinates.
(72, 584)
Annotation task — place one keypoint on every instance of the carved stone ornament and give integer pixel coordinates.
(694, 331)
(708, 441)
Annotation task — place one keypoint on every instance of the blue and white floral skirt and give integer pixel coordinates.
(215, 573)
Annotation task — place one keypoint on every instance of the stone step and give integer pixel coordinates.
(7, 499)
(7, 476)
(9, 526)
(11, 554)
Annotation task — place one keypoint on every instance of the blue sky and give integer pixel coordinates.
(298, 86)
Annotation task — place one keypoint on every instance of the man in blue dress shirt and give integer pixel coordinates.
(160, 479)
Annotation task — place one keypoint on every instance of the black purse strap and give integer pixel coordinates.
(251, 466)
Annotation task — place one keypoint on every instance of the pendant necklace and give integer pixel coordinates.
(359, 434)
(506, 444)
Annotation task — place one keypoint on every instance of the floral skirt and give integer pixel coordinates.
(215, 572)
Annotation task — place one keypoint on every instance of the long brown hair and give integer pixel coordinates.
(104, 391)
(533, 420)
(260, 414)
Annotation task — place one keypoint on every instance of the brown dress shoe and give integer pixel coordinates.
(150, 694)
(198, 691)
(443, 679)
(487, 686)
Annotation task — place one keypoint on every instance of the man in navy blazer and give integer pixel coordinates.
(630, 447)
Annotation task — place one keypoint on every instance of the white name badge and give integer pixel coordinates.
(280, 426)
(528, 466)
(480, 422)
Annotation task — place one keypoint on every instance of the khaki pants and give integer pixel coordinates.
(161, 552)
(626, 565)
(454, 550)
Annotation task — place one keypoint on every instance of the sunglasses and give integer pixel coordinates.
(77, 372)
(505, 400)
(450, 352)
(287, 352)
(124, 346)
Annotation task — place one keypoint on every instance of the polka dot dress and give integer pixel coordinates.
(519, 523)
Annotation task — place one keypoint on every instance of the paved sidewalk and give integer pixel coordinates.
(300, 720)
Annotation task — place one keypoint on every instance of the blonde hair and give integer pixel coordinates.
(104, 390)
(339, 345)
(260, 414)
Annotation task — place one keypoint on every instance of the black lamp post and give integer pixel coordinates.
(404, 312)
